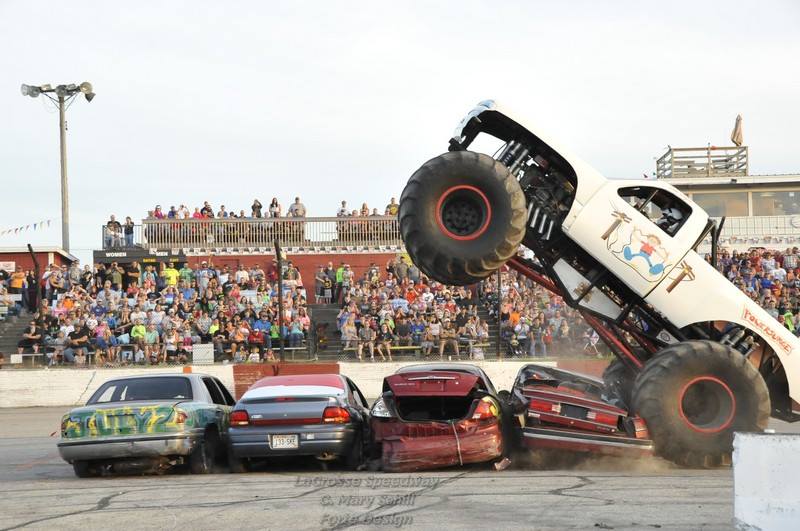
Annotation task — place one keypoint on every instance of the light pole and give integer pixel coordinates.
(64, 94)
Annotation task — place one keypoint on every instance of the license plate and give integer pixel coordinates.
(283, 442)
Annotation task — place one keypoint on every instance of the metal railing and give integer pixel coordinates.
(709, 161)
(260, 233)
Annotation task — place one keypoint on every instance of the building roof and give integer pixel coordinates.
(748, 180)
(38, 250)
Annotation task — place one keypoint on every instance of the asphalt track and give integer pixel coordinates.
(39, 491)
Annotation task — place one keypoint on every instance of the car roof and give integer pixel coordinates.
(161, 375)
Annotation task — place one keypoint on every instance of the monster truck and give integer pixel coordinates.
(695, 358)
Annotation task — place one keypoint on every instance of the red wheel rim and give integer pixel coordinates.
(707, 404)
(463, 212)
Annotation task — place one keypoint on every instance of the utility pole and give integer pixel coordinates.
(64, 95)
(499, 309)
(64, 185)
(280, 298)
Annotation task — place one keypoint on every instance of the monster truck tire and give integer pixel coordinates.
(694, 395)
(462, 215)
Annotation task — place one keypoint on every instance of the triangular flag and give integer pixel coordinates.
(34, 226)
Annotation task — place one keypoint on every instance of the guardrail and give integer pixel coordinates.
(322, 233)
(709, 161)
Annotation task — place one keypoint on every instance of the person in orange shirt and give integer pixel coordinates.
(16, 281)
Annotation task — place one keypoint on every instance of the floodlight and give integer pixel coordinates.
(85, 87)
(61, 91)
(24, 89)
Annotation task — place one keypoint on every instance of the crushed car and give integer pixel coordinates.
(565, 411)
(437, 415)
(317, 415)
(148, 423)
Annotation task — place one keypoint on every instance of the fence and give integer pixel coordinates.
(703, 162)
(259, 233)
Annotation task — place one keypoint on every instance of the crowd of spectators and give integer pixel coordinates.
(151, 314)
(117, 234)
(769, 277)
(533, 321)
(397, 308)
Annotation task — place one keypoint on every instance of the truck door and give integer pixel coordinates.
(639, 232)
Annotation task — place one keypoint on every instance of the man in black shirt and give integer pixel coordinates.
(403, 332)
(78, 341)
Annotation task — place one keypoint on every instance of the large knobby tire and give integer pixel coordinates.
(462, 215)
(694, 395)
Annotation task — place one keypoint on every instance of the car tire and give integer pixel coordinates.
(237, 465)
(694, 395)
(355, 456)
(83, 469)
(201, 460)
(462, 215)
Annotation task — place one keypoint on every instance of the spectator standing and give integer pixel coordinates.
(256, 208)
(297, 209)
(274, 208)
(392, 207)
(128, 230)
(113, 232)
(343, 212)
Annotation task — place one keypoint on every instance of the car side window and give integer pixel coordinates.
(357, 393)
(229, 400)
(668, 212)
(213, 390)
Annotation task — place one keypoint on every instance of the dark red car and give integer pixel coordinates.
(565, 411)
(437, 415)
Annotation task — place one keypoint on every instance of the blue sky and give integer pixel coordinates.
(226, 101)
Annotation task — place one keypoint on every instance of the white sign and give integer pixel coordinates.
(203, 354)
(8, 266)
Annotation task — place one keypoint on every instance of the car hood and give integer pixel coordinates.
(431, 383)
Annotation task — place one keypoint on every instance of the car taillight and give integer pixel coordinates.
(240, 418)
(380, 409)
(486, 410)
(335, 415)
(603, 418)
(180, 416)
(544, 406)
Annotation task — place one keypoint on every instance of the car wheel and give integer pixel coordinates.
(462, 215)
(694, 395)
(237, 465)
(201, 460)
(355, 456)
(84, 469)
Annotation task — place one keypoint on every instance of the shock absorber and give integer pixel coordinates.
(513, 156)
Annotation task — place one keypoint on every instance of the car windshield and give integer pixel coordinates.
(134, 389)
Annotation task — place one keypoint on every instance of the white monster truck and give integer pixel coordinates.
(696, 358)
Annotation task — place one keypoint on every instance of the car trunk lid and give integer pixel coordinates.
(431, 383)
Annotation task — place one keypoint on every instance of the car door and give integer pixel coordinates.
(357, 401)
(220, 406)
(639, 231)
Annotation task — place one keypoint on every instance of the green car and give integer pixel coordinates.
(153, 422)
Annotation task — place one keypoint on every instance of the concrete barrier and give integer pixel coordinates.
(71, 387)
(766, 468)
(68, 387)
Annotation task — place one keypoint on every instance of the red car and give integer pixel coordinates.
(437, 415)
(570, 412)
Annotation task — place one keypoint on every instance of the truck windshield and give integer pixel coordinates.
(135, 389)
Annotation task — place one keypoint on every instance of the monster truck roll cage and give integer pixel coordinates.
(638, 331)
